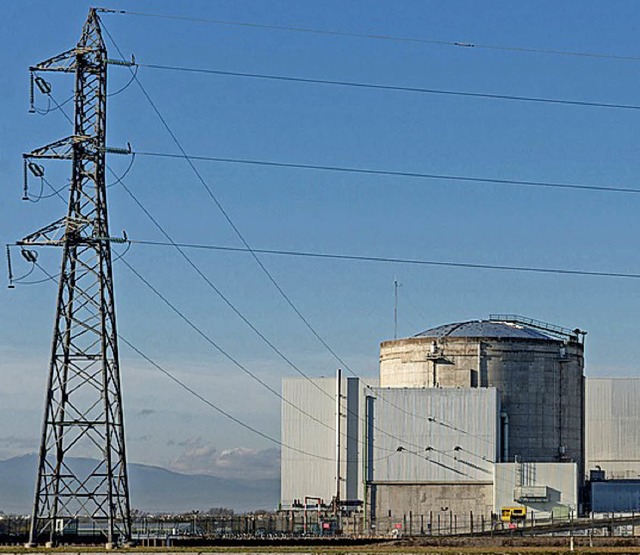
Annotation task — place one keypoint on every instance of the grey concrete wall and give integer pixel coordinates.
(459, 499)
(541, 387)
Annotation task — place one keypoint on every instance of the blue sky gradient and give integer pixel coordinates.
(350, 304)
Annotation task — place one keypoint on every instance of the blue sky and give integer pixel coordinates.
(350, 304)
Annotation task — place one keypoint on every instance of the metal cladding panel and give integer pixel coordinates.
(613, 426)
(434, 435)
(615, 496)
(514, 479)
(304, 474)
(350, 490)
(309, 469)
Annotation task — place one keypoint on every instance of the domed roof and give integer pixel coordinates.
(486, 328)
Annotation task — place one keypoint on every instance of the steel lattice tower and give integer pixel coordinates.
(83, 409)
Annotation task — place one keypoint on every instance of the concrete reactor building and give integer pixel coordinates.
(537, 368)
(464, 419)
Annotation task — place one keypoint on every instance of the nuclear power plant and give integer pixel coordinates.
(472, 420)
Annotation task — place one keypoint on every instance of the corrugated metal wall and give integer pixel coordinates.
(613, 426)
(314, 473)
(428, 425)
(305, 474)
(615, 496)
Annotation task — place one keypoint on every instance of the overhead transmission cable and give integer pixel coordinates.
(193, 392)
(394, 173)
(135, 78)
(391, 260)
(189, 389)
(400, 440)
(246, 244)
(394, 88)
(433, 420)
(256, 258)
(238, 313)
(226, 215)
(223, 352)
(383, 37)
(234, 309)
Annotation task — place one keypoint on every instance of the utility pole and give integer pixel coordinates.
(83, 414)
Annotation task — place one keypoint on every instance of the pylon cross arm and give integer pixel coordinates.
(65, 62)
(58, 150)
(54, 234)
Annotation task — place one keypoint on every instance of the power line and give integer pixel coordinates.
(206, 401)
(382, 398)
(223, 352)
(233, 226)
(226, 215)
(384, 37)
(394, 88)
(248, 323)
(224, 298)
(259, 262)
(134, 77)
(210, 192)
(120, 180)
(392, 260)
(189, 389)
(395, 173)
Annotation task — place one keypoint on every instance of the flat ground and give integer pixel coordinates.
(449, 546)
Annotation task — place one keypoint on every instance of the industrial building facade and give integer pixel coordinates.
(466, 418)
(613, 444)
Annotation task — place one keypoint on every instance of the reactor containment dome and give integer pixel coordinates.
(537, 368)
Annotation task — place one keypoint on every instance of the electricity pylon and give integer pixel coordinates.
(82, 470)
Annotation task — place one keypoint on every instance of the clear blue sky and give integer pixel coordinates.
(350, 304)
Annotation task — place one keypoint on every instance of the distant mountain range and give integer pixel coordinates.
(152, 489)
